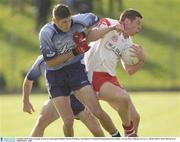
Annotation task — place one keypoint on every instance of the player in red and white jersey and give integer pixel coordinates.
(101, 61)
(106, 52)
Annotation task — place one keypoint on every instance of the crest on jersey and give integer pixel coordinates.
(114, 38)
(63, 48)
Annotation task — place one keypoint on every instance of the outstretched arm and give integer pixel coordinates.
(59, 59)
(98, 32)
(27, 87)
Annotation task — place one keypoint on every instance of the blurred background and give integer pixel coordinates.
(20, 21)
(158, 80)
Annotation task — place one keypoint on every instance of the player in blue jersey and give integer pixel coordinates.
(62, 44)
(48, 113)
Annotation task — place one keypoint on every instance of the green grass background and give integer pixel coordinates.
(160, 116)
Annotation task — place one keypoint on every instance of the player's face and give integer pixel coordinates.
(134, 26)
(63, 24)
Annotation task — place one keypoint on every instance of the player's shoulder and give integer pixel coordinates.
(39, 60)
(47, 29)
(86, 19)
(108, 21)
(113, 21)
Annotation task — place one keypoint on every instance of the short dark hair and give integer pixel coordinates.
(61, 11)
(130, 14)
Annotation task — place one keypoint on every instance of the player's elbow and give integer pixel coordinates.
(49, 64)
(52, 63)
(130, 72)
(93, 35)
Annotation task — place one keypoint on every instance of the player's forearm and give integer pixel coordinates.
(131, 69)
(27, 87)
(60, 59)
(98, 33)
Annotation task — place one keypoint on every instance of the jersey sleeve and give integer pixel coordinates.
(86, 19)
(103, 23)
(46, 46)
(35, 71)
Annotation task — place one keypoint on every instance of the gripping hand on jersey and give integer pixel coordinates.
(81, 43)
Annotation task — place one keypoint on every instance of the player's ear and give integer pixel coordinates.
(53, 19)
(126, 21)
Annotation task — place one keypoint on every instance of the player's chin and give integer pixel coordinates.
(66, 29)
(138, 30)
(132, 34)
(135, 33)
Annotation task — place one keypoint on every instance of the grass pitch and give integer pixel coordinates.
(160, 116)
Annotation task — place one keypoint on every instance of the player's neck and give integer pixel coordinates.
(125, 35)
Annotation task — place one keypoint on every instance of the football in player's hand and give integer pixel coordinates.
(129, 57)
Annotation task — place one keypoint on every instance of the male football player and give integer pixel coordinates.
(62, 45)
(49, 113)
(101, 61)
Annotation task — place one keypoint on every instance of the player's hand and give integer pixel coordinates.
(27, 107)
(119, 27)
(81, 44)
(139, 52)
(78, 37)
(81, 48)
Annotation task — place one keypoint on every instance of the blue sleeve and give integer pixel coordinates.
(87, 19)
(35, 71)
(46, 45)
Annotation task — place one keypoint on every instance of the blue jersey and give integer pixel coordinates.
(54, 42)
(37, 69)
